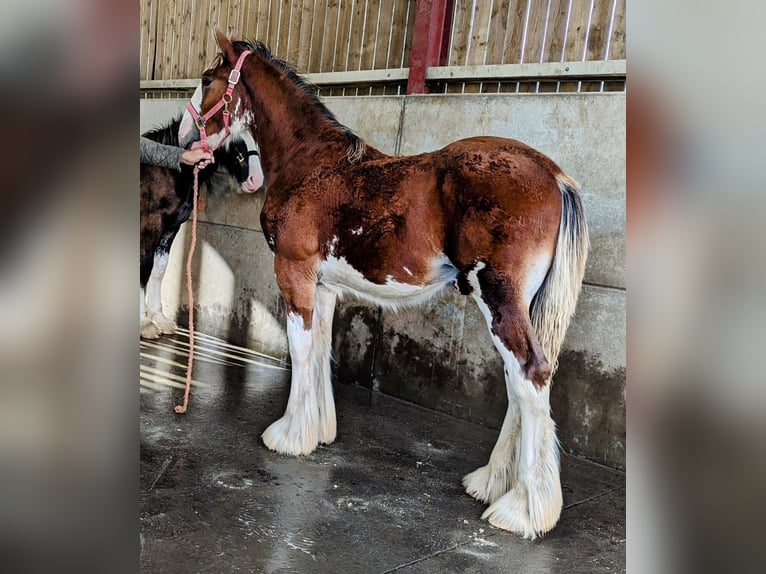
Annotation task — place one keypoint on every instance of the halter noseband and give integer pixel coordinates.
(200, 121)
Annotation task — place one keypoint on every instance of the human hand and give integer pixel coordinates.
(197, 156)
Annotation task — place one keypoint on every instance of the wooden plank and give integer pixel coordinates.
(461, 25)
(253, 22)
(370, 35)
(385, 26)
(598, 33)
(617, 41)
(477, 51)
(356, 35)
(535, 24)
(557, 21)
(215, 20)
(383, 36)
(329, 35)
(574, 48)
(515, 34)
(536, 31)
(233, 22)
(184, 32)
(302, 40)
(317, 36)
(396, 47)
(162, 57)
(199, 35)
(282, 49)
(272, 31)
(177, 44)
(148, 38)
(497, 32)
(340, 54)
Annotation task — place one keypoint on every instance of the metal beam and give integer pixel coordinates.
(428, 35)
(600, 69)
(609, 69)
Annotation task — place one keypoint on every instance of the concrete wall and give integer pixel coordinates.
(441, 356)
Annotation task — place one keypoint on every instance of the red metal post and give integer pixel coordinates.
(430, 36)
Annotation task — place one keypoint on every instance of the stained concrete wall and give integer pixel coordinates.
(441, 356)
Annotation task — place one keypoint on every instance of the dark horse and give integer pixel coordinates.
(166, 202)
(488, 216)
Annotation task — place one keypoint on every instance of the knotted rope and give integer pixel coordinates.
(181, 409)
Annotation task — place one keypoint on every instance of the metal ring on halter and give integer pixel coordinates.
(226, 98)
(200, 121)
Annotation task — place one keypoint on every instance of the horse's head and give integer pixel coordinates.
(220, 104)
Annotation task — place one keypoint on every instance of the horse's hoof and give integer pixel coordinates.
(284, 439)
(512, 512)
(150, 331)
(166, 325)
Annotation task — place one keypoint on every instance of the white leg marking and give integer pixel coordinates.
(490, 482)
(297, 432)
(324, 307)
(533, 504)
(154, 291)
(146, 329)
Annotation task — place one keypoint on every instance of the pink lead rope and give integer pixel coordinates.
(181, 409)
(234, 77)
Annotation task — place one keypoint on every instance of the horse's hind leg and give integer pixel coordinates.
(494, 479)
(527, 449)
(324, 309)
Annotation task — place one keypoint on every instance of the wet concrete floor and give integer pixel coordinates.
(385, 497)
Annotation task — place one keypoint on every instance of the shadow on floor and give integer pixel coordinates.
(385, 497)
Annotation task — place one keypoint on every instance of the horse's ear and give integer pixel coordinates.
(226, 46)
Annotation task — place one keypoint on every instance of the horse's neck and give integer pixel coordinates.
(290, 127)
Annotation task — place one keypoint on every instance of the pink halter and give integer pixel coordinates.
(234, 77)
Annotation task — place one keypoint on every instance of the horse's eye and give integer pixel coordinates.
(206, 81)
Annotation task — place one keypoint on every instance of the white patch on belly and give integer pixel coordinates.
(357, 231)
(339, 276)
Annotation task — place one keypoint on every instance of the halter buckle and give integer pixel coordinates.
(234, 76)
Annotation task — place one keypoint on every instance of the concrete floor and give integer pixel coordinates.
(385, 497)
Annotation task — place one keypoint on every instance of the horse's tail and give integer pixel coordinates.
(554, 303)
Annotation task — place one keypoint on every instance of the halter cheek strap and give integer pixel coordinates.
(224, 102)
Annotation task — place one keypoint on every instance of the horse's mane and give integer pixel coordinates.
(356, 145)
(167, 134)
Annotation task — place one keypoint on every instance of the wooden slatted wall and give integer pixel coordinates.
(341, 35)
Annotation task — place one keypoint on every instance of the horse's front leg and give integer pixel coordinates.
(298, 431)
(165, 324)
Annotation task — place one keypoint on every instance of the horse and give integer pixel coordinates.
(166, 203)
(490, 217)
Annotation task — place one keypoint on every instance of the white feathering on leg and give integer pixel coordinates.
(297, 432)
